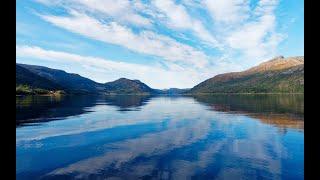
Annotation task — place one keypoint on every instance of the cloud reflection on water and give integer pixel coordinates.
(196, 141)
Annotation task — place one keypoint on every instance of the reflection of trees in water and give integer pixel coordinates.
(27, 101)
(280, 110)
(285, 111)
(289, 103)
(46, 108)
(282, 121)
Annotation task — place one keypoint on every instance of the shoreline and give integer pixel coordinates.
(239, 93)
(58, 94)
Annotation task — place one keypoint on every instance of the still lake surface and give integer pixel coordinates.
(144, 137)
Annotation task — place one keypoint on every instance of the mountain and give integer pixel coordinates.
(70, 82)
(127, 86)
(173, 91)
(279, 75)
(54, 79)
(28, 82)
(26, 77)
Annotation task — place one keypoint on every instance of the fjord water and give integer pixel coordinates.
(144, 137)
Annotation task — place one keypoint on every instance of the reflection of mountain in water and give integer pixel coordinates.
(127, 102)
(285, 111)
(282, 121)
(46, 108)
(279, 110)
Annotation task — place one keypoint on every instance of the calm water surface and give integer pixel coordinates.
(142, 137)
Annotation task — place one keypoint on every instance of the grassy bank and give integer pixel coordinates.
(27, 90)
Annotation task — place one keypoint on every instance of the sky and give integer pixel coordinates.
(163, 43)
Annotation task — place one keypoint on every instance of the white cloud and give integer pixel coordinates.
(122, 11)
(258, 39)
(266, 7)
(145, 42)
(116, 9)
(176, 16)
(251, 36)
(237, 26)
(172, 14)
(250, 31)
(228, 11)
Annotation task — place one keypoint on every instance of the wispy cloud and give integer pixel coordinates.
(250, 30)
(145, 42)
(176, 16)
(258, 38)
(116, 10)
(228, 11)
(239, 26)
(123, 11)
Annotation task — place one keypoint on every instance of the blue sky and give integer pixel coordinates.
(164, 43)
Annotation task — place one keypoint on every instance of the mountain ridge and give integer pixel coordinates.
(127, 86)
(70, 82)
(278, 75)
(73, 83)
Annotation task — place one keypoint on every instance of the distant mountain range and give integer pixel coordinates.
(279, 75)
(174, 91)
